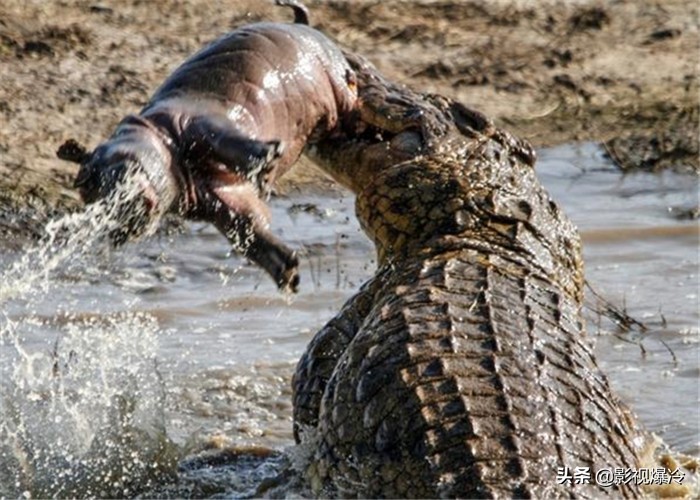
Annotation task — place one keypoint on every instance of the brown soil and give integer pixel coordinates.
(621, 72)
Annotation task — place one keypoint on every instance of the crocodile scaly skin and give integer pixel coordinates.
(462, 369)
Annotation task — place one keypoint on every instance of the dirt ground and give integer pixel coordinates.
(623, 72)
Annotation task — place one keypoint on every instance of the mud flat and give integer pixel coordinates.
(623, 73)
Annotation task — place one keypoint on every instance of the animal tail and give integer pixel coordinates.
(301, 13)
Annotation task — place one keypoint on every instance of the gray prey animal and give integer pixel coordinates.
(219, 131)
(462, 369)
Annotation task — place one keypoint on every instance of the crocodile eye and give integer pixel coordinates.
(524, 209)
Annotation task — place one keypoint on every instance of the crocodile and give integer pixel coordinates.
(462, 368)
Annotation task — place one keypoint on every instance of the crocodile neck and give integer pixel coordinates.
(422, 208)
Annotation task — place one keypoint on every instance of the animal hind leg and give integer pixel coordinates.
(252, 159)
(241, 216)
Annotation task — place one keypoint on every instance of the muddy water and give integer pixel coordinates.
(135, 358)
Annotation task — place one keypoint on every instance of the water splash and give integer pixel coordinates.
(68, 238)
(84, 418)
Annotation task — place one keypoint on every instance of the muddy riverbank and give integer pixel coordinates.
(622, 73)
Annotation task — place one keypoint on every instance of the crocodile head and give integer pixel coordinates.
(431, 175)
(396, 159)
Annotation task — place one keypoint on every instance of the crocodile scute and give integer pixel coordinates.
(462, 368)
